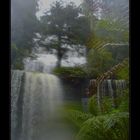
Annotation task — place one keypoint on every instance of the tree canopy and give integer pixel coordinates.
(67, 27)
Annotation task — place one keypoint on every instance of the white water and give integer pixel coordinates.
(16, 79)
(108, 87)
(35, 110)
(37, 98)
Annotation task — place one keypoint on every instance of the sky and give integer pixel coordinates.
(45, 4)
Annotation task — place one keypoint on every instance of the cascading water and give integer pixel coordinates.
(17, 77)
(36, 99)
(110, 87)
(34, 109)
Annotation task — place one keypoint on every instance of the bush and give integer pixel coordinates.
(93, 106)
(70, 72)
(98, 62)
(123, 101)
(123, 73)
(106, 105)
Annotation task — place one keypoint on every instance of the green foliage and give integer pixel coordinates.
(70, 72)
(123, 100)
(112, 30)
(110, 123)
(98, 62)
(92, 105)
(65, 21)
(78, 117)
(67, 26)
(114, 127)
(119, 52)
(73, 105)
(106, 105)
(123, 73)
(122, 103)
(16, 57)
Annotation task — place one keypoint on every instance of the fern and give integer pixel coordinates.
(93, 106)
(78, 117)
(106, 127)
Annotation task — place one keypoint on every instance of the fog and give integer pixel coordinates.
(45, 5)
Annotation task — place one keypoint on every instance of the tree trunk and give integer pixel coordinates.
(59, 52)
(59, 62)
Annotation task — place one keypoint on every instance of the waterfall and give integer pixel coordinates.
(35, 106)
(16, 81)
(37, 98)
(112, 92)
(110, 87)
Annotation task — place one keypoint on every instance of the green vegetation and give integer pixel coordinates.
(70, 72)
(92, 106)
(73, 105)
(123, 73)
(106, 43)
(106, 106)
(114, 127)
(108, 123)
(78, 117)
(67, 26)
(98, 62)
(16, 57)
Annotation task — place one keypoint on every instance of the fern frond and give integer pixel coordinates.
(106, 127)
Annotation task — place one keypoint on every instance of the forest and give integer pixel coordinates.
(70, 70)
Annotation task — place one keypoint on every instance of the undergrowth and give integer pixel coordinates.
(107, 124)
(105, 127)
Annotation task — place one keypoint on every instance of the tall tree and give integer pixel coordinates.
(67, 27)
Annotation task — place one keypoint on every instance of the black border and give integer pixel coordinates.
(134, 69)
(5, 70)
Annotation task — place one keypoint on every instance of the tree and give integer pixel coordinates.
(112, 24)
(98, 62)
(24, 25)
(66, 27)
